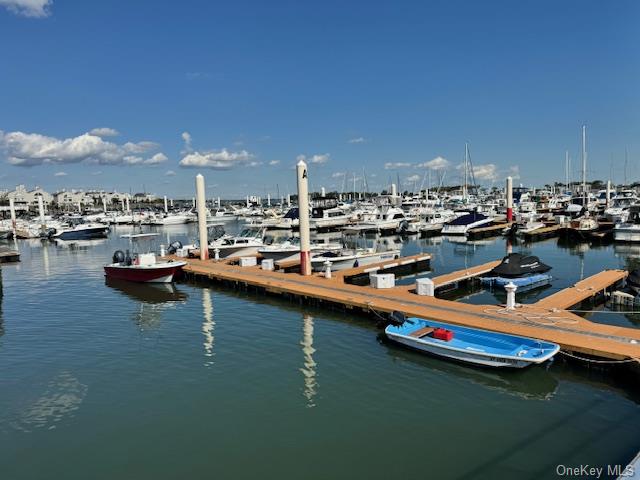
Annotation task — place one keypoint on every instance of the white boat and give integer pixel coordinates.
(290, 250)
(325, 218)
(289, 221)
(464, 223)
(349, 258)
(82, 231)
(245, 244)
(618, 212)
(223, 215)
(629, 231)
(387, 218)
(170, 219)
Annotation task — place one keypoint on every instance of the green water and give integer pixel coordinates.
(110, 381)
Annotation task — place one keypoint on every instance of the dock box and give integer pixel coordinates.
(267, 264)
(425, 286)
(443, 334)
(248, 261)
(382, 280)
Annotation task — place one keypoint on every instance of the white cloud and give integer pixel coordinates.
(394, 165)
(219, 160)
(60, 174)
(255, 163)
(317, 159)
(413, 178)
(104, 132)
(169, 173)
(157, 159)
(487, 172)
(357, 140)
(28, 8)
(438, 163)
(186, 137)
(274, 162)
(514, 172)
(30, 149)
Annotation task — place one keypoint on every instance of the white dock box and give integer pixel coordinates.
(382, 280)
(248, 261)
(267, 264)
(425, 286)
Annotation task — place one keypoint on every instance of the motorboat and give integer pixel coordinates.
(82, 231)
(618, 212)
(143, 267)
(170, 219)
(430, 222)
(388, 218)
(583, 227)
(326, 218)
(471, 345)
(245, 244)
(290, 221)
(290, 250)
(351, 258)
(629, 231)
(524, 271)
(223, 215)
(461, 225)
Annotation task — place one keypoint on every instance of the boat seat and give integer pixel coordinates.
(423, 332)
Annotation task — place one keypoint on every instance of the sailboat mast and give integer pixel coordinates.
(566, 169)
(584, 166)
(466, 167)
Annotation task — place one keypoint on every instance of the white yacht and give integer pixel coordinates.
(245, 244)
(619, 210)
(325, 218)
(349, 258)
(290, 249)
(387, 218)
(629, 231)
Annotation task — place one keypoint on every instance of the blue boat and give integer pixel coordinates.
(524, 271)
(471, 345)
(523, 283)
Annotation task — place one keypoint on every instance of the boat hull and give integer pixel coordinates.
(474, 346)
(85, 234)
(159, 273)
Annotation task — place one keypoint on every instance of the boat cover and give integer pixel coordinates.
(468, 219)
(518, 265)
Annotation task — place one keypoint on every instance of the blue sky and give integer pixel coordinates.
(349, 85)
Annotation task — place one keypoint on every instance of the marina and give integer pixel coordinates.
(287, 240)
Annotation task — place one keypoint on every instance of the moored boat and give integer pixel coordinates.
(144, 267)
(471, 345)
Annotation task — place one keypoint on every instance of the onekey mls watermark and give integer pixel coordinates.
(595, 471)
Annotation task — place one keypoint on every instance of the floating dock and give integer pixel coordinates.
(8, 255)
(546, 320)
(490, 231)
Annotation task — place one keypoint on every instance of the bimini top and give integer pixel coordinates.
(518, 265)
(468, 219)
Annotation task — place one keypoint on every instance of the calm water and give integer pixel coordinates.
(145, 382)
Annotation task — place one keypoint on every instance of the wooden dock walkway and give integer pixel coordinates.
(466, 274)
(490, 231)
(545, 232)
(545, 322)
(583, 290)
(412, 260)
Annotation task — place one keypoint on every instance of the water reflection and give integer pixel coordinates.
(1, 297)
(309, 368)
(535, 383)
(207, 326)
(60, 400)
(152, 298)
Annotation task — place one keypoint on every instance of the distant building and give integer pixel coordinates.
(73, 197)
(29, 198)
(144, 197)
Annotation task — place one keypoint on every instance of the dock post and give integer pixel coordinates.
(12, 210)
(268, 200)
(104, 204)
(323, 192)
(218, 202)
(128, 206)
(171, 202)
(608, 202)
(509, 199)
(288, 200)
(303, 206)
(122, 202)
(511, 295)
(202, 218)
(166, 208)
(327, 269)
(43, 224)
(216, 254)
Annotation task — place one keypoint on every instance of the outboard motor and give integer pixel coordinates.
(397, 318)
(174, 247)
(127, 259)
(118, 256)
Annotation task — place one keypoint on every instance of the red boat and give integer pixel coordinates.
(143, 268)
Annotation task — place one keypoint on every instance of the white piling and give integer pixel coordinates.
(12, 210)
(268, 199)
(323, 193)
(162, 251)
(288, 200)
(303, 205)
(41, 212)
(193, 200)
(166, 207)
(394, 190)
(202, 218)
(608, 193)
(216, 254)
(128, 207)
(509, 188)
(248, 204)
(511, 295)
(171, 203)
(218, 202)
(104, 204)
(327, 269)
(122, 203)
